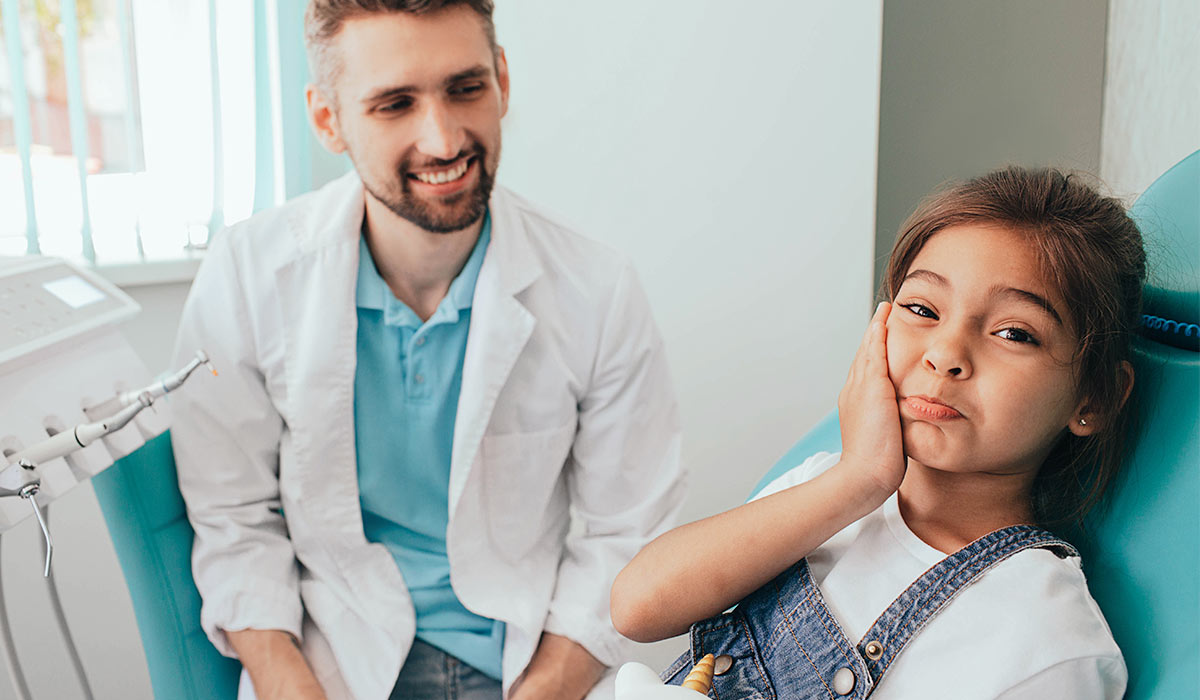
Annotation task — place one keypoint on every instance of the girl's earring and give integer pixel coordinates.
(1083, 421)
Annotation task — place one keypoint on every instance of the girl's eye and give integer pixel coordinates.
(1017, 335)
(921, 310)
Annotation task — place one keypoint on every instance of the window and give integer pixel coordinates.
(130, 130)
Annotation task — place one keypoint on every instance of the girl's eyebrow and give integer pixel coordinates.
(1030, 298)
(928, 276)
(1022, 295)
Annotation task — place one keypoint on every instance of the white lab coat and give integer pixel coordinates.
(566, 406)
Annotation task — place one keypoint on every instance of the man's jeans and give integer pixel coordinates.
(431, 674)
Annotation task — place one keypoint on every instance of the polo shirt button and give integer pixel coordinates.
(419, 379)
(722, 664)
(843, 681)
(420, 341)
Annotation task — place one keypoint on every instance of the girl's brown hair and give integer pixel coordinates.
(1091, 252)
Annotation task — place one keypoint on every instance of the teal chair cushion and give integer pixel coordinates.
(139, 497)
(1141, 548)
(825, 436)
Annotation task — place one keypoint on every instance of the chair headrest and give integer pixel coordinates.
(1168, 214)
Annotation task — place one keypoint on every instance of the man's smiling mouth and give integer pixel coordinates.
(441, 177)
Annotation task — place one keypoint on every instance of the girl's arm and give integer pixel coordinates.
(701, 569)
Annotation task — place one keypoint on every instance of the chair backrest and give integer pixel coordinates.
(139, 496)
(1141, 549)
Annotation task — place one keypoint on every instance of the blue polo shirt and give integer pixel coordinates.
(406, 389)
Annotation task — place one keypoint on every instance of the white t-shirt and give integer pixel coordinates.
(1028, 628)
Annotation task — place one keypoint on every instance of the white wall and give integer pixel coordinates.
(731, 153)
(1151, 91)
(729, 149)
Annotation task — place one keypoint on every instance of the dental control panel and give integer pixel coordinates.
(44, 301)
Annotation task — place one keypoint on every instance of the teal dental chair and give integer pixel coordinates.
(139, 496)
(1141, 550)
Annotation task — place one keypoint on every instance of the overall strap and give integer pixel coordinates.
(913, 609)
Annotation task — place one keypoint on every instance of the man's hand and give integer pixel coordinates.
(560, 670)
(276, 667)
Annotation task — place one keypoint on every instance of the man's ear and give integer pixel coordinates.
(502, 79)
(323, 117)
(1086, 421)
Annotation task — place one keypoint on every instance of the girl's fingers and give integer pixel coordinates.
(870, 360)
(860, 357)
(876, 354)
(865, 348)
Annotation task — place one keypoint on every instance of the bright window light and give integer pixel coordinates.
(167, 130)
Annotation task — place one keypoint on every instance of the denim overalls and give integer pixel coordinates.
(781, 642)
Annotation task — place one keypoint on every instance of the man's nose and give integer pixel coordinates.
(440, 135)
(948, 355)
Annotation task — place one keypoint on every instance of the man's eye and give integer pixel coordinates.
(1017, 335)
(920, 310)
(397, 106)
(466, 89)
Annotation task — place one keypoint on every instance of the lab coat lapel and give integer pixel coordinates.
(317, 298)
(500, 328)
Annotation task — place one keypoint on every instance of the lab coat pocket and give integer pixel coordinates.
(526, 492)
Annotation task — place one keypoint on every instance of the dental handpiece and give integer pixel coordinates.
(82, 435)
(19, 478)
(126, 406)
(164, 386)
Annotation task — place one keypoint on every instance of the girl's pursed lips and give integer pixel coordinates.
(930, 407)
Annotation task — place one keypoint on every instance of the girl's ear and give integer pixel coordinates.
(1126, 372)
(1087, 421)
(1084, 422)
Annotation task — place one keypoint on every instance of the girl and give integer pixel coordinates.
(986, 402)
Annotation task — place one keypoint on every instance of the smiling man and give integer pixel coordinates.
(447, 420)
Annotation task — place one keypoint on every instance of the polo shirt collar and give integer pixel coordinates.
(373, 292)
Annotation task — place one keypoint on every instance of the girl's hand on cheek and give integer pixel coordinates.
(872, 446)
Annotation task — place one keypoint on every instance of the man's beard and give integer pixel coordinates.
(445, 215)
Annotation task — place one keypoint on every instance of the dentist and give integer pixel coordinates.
(444, 421)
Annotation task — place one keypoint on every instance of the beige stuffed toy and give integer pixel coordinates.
(638, 682)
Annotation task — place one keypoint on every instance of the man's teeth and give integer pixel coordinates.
(440, 177)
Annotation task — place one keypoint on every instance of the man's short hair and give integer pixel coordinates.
(324, 19)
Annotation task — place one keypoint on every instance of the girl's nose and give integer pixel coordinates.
(948, 357)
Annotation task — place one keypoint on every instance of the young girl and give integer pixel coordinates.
(986, 402)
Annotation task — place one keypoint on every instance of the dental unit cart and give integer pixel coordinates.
(76, 398)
